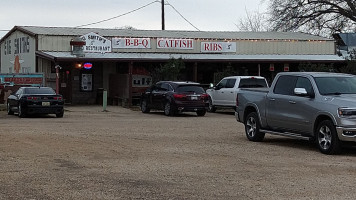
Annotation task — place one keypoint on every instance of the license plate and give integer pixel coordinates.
(46, 103)
(194, 98)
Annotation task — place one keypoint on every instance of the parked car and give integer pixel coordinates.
(223, 95)
(35, 100)
(173, 97)
(315, 106)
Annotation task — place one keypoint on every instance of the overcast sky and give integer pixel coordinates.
(205, 15)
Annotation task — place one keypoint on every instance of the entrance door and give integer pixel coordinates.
(65, 85)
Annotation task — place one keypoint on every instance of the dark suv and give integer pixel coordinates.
(173, 97)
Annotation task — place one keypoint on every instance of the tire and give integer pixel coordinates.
(168, 110)
(201, 112)
(327, 139)
(211, 107)
(21, 111)
(252, 128)
(8, 108)
(60, 115)
(144, 106)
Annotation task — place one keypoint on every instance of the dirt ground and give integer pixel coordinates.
(125, 154)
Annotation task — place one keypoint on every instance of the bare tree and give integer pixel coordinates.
(320, 17)
(255, 22)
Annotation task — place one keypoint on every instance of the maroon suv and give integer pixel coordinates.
(173, 97)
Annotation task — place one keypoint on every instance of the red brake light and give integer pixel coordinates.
(204, 96)
(57, 98)
(32, 98)
(179, 96)
(237, 100)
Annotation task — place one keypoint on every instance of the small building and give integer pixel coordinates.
(90, 60)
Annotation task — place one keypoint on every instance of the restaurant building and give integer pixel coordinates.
(86, 61)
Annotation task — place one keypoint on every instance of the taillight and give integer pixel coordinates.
(237, 100)
(32, 98)
(204, 96)
(57, 98)
(179, 96)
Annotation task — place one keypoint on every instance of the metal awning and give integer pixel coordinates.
(146, 57)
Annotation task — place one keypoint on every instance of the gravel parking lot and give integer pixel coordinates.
(125, 154)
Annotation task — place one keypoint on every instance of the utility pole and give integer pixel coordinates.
(163, 15)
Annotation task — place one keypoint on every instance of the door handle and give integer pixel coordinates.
(272, 99)
(292, 102)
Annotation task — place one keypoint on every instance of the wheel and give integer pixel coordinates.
(8, 108)
(144, 106)
(168, 110)
(252, 128)
(211, 107)
(21, 111)
(60, 115)
(327, 139)
(201, 112)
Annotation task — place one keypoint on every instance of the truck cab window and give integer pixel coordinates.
(230, 83)
(303, 82)
(222, 83)
(285, 85)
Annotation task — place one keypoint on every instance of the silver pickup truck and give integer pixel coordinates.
(315, 106)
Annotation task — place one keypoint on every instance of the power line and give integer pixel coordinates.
(118, 15)
(182, 16)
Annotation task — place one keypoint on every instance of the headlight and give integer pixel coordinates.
(346, 112)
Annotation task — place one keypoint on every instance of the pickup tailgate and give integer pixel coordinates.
(255, 97)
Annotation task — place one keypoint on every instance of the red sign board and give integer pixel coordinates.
(271, 68)
(24, 80)
(286, 69)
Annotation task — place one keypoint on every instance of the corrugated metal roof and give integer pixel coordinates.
(192, 57)
(64, 31)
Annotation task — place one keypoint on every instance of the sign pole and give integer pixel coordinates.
(105, 99)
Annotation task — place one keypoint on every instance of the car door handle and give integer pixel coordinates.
(272, 99)
(292, 102)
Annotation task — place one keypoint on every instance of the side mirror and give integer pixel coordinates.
(303, 92)
(300, 91)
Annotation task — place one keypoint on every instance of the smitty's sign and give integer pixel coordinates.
(95, 43)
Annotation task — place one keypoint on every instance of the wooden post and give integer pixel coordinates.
(130, 83)
(195, 72)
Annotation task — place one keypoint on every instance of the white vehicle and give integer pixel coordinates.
(224, 93)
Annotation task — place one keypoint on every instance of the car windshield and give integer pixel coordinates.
(252, 83)
(336, 85)
(190, 89)
(39, 91)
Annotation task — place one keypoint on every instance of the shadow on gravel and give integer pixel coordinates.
(185, 114)
(349, 149)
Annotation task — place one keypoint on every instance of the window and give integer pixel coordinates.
(336, 85)
(230, 83)
(166, 87)
(252, 83)
(39, 91)
(190, 89)
(303, 82)
(222, 83)
(285, 85)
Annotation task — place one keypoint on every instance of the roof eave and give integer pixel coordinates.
(17, 28)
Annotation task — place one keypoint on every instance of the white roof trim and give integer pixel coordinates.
(197, 57)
